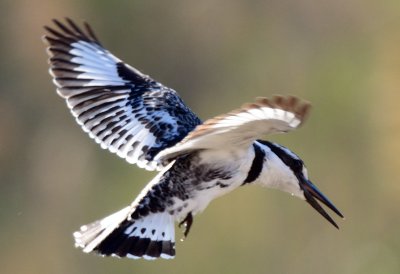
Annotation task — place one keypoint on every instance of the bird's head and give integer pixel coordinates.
(284, 170)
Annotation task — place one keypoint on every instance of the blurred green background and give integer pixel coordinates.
(343, 56)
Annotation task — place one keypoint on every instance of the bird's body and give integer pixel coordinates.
(146, 123)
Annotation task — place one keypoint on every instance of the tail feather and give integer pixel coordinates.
(149, 237)
(92, 234)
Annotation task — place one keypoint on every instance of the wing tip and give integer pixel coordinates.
(70, 30)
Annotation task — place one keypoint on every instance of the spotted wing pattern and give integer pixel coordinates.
(241, 127)
(123, 110)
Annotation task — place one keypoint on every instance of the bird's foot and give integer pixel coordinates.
(188, 221)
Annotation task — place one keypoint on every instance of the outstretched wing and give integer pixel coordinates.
(122, 109)
(240, 128)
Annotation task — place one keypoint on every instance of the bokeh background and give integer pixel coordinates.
(343, 56)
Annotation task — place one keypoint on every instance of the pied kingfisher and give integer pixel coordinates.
(148, 124)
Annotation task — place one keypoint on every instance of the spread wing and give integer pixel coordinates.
(241, 127)
(122, 109)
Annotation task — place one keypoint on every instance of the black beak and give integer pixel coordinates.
(311, 193)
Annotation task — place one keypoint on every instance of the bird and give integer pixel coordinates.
(148, 124)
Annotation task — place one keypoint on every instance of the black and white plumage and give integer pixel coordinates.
(125, 111)
(147, 123)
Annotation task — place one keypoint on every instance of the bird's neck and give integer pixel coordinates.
(275, 174)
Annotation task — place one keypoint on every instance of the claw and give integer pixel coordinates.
(188, 221)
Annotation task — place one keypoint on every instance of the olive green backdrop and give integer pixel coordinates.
(343, 56)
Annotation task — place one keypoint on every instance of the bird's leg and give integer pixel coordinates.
(188, 221)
